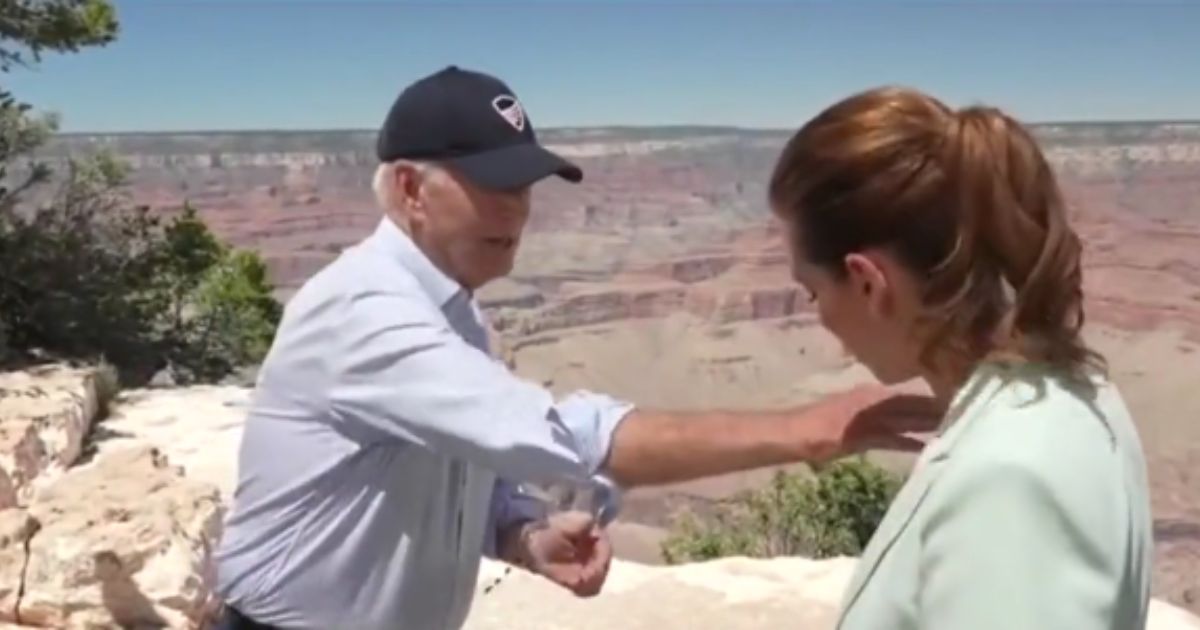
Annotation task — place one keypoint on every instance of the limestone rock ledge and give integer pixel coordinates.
(124, 541)
(45, 415)
(724, 594)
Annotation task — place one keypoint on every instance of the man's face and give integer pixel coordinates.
(471, 233)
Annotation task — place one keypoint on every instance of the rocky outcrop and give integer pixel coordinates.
(1119, 158)
(45, 413)
(508, 293)
(716, 304)
(17, 528)
(725, 594)
(122, 542)
(198, 428)
(693, 269)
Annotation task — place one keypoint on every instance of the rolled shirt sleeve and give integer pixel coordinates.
(401, 369)
(592, 419)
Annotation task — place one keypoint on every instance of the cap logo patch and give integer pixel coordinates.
(510, 109)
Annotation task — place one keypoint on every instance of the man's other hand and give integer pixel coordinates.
(570, 549)
(871, 417)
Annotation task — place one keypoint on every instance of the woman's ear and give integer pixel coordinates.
(866, 276)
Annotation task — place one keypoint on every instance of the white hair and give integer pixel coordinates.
(384, 182)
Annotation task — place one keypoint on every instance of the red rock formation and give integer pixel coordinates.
(666, 223)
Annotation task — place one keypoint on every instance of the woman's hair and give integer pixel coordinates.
(965, 199)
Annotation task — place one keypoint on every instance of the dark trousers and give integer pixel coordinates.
(231, 619)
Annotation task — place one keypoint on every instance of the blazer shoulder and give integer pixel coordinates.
(1034, 419)
(1075, 445)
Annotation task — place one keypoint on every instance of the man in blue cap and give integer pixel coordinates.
(385, 449)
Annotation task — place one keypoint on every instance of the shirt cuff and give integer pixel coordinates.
(606, 500)
(509, 505)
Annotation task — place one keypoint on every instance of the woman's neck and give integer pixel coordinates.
(945, 382)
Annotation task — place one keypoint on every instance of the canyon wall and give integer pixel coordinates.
(667, 218)
(661, 278)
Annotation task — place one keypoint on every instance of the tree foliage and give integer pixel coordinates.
(87, 274)
(833, 513)
(29, 29)
(222, 312)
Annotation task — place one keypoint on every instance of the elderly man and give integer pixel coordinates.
(385, 449)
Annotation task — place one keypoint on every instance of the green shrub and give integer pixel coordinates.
(233, 318)
(87, 275)
(76, 271)
(832, 513)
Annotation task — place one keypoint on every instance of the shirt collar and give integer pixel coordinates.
(397, 244)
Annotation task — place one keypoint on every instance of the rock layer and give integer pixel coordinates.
(45, 413)
(17, 528)
(121, 541)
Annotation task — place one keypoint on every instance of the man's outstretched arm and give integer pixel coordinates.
(400, 369)
(654, 447)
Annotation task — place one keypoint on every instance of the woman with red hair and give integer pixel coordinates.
(935, 244)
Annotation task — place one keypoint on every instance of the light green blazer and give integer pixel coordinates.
(1028, 511)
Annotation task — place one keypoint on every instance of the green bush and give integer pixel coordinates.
(233, 318)
(831, 513)
(88, 275)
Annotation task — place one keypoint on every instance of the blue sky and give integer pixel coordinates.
(307, 64)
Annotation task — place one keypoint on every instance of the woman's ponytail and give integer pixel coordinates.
(1014, 234)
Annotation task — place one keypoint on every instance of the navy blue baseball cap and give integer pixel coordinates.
(473, 123)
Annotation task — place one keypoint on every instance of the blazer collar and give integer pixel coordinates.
(967, 404)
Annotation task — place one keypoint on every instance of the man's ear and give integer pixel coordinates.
(866, 276)
(409, 182)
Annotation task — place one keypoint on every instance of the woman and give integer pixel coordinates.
(935, 244)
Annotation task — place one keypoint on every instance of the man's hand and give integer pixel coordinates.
(569, 549)
(869, 417)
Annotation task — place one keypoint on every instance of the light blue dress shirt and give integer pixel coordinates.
(384, 448)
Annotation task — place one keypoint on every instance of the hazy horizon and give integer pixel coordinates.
(597, 127)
